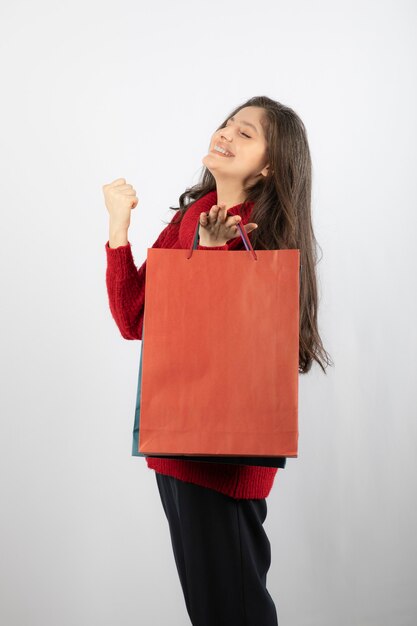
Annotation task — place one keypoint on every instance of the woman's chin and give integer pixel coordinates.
(212, 162)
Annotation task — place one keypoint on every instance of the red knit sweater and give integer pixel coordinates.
(126, 292)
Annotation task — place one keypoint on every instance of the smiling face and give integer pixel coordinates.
(243, 137)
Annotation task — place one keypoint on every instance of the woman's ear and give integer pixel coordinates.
(265, 171)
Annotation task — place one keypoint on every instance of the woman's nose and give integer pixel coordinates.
(223, 136)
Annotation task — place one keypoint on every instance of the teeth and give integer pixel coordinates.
(218, 149)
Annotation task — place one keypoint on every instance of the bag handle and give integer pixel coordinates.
(242, 233)
(246, 243)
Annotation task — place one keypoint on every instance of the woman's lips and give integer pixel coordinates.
(221, 154)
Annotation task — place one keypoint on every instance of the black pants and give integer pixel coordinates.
(222, 554)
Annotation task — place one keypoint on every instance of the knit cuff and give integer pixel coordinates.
(120, 260)
(225, 247)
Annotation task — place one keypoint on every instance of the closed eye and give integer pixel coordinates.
(244, 134)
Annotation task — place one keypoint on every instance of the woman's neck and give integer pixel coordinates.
(229, 196)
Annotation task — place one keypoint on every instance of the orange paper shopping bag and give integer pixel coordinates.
(220, 353)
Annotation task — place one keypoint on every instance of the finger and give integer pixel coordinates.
(250, 227)
(215, 212)
(222, 215)
(233, 219)
(203, 218)
(232, 222)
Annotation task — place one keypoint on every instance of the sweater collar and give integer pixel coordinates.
(204, 204)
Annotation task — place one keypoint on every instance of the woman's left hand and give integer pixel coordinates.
(216, 227)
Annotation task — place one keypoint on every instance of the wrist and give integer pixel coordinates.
(115, 226)
(200, 247)
(118, 235)
(211, 244)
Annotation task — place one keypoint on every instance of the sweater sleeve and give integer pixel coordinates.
(126, 283)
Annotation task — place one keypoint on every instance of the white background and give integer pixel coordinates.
(93, 91)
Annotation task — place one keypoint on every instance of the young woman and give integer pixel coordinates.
(257, 172)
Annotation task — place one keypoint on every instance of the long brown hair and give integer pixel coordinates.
(282, 210)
